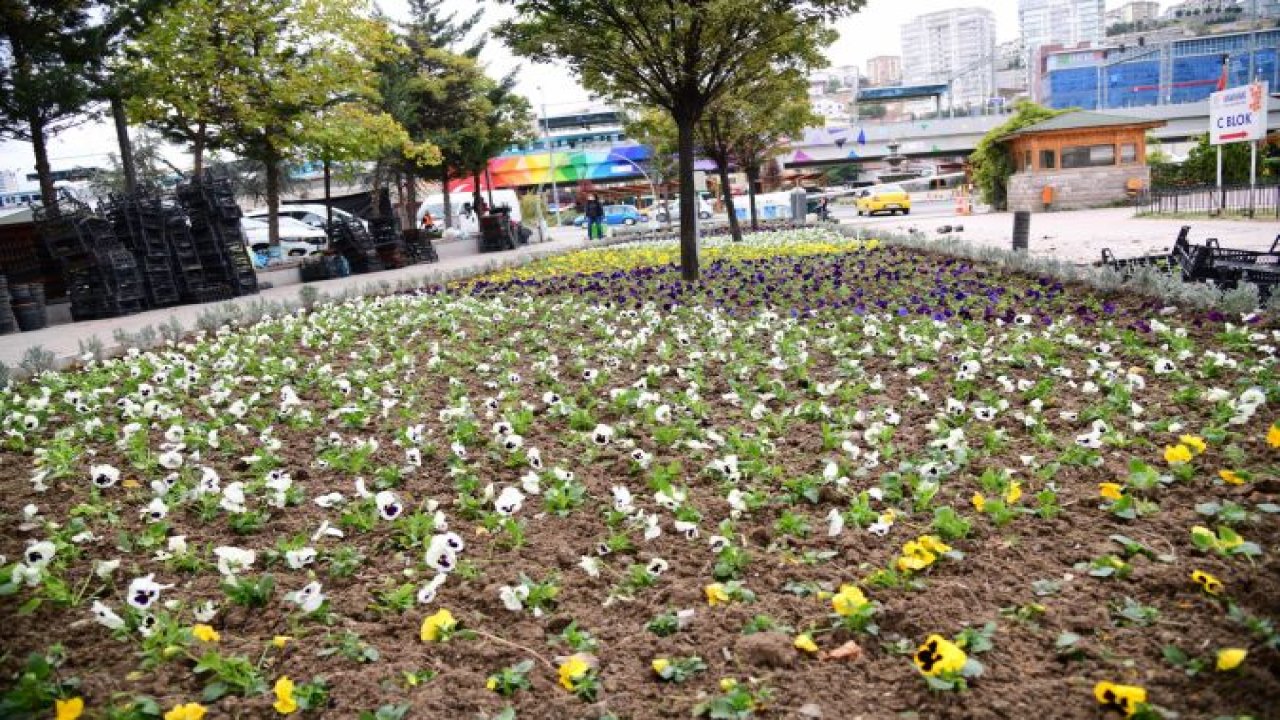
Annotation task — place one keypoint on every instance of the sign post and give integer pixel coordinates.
(1238, 115)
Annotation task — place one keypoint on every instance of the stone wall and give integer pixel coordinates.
(1076, 188)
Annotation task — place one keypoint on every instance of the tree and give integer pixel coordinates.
(761, 124)
(680, 55)
(653, 127)
(180, 71)
(992, 161)
(1201, 165)
(295, 61)
(43, 82)
(354, 131)
(506, 122)
(436, 92)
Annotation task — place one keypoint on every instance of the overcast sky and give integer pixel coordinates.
(874, 31)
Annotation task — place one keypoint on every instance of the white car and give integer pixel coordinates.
(313, 215)
(660, 213)
(297, 239)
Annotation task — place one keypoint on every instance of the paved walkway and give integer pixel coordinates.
(458, 258)
(1079, 236)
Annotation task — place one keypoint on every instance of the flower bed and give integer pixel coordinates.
(835, 477)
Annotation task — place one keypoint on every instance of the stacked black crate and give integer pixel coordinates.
(218, 239)
(102, 275)
(386, 238)
(353, 241)
(139, 221)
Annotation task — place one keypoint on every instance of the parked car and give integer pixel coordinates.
(616, 215)
(297, 239)
(464, 219)
(660, 212)
(313, 215)
(884, 198)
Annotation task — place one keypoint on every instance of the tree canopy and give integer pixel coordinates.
(680, 56)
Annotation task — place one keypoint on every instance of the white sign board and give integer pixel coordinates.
(1238, 114)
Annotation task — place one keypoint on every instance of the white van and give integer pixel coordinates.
(464, 219)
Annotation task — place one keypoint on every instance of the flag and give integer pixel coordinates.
(862, 136)
(1222, 79)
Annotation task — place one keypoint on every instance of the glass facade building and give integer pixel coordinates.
(1173, 72)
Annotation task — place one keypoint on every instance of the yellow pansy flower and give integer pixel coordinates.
(572, 670)
(939, 655)
(285, 702)
(660, 665)
(979, 502)
(1013, 494)
(436, 626)
(279, 641)
(1209, 583)
(804, 641)
(1111, 491)
(189, 711)
(1273, 436)
(1177, 454)
(848, 601)
(727, 684)
(1125, 698)
(491, 683)
(1230, 658)
(68, 709)
(1195, 443)
(205, 633)
(932, 544)
(716, 594)
(1231, 477)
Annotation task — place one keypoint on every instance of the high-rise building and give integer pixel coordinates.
(8, 180)
(954, 48)
(1061, 22)
(884, 70)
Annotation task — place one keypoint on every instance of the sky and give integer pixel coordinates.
(871, 32)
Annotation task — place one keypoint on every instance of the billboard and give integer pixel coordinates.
(1238, 114)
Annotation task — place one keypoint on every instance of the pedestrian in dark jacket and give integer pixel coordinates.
(595, 218)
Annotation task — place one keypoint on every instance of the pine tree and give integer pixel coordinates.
(43, 82)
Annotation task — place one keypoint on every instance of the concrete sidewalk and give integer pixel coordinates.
(1079, 236)
(457, 259)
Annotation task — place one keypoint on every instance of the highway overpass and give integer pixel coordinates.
(949, 137)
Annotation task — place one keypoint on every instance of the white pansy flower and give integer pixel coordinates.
(309, 598)
(233, 560)
(104, 476)
(143, 592)
(105, 616)
(389, 505)
(509, 501)
(300, 558)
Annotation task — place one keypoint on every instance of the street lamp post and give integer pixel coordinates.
(652, 188)
(551, 158)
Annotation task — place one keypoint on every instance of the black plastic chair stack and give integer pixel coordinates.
(353, 241)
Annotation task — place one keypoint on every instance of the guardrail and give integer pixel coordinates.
(1260, 201)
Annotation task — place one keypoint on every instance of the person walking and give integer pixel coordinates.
(595, 218)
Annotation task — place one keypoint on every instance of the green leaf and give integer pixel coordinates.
(29, 606)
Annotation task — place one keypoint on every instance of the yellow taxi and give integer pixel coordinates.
(884, 198)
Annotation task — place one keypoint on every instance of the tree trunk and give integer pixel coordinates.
(734, 228)
(273, 198)
(476, 197)
(411, 196)
(121, 120)
(48, 194)
(753, 175)
(197, 152)
(328, 193)
(444, 194)
(688, 208)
